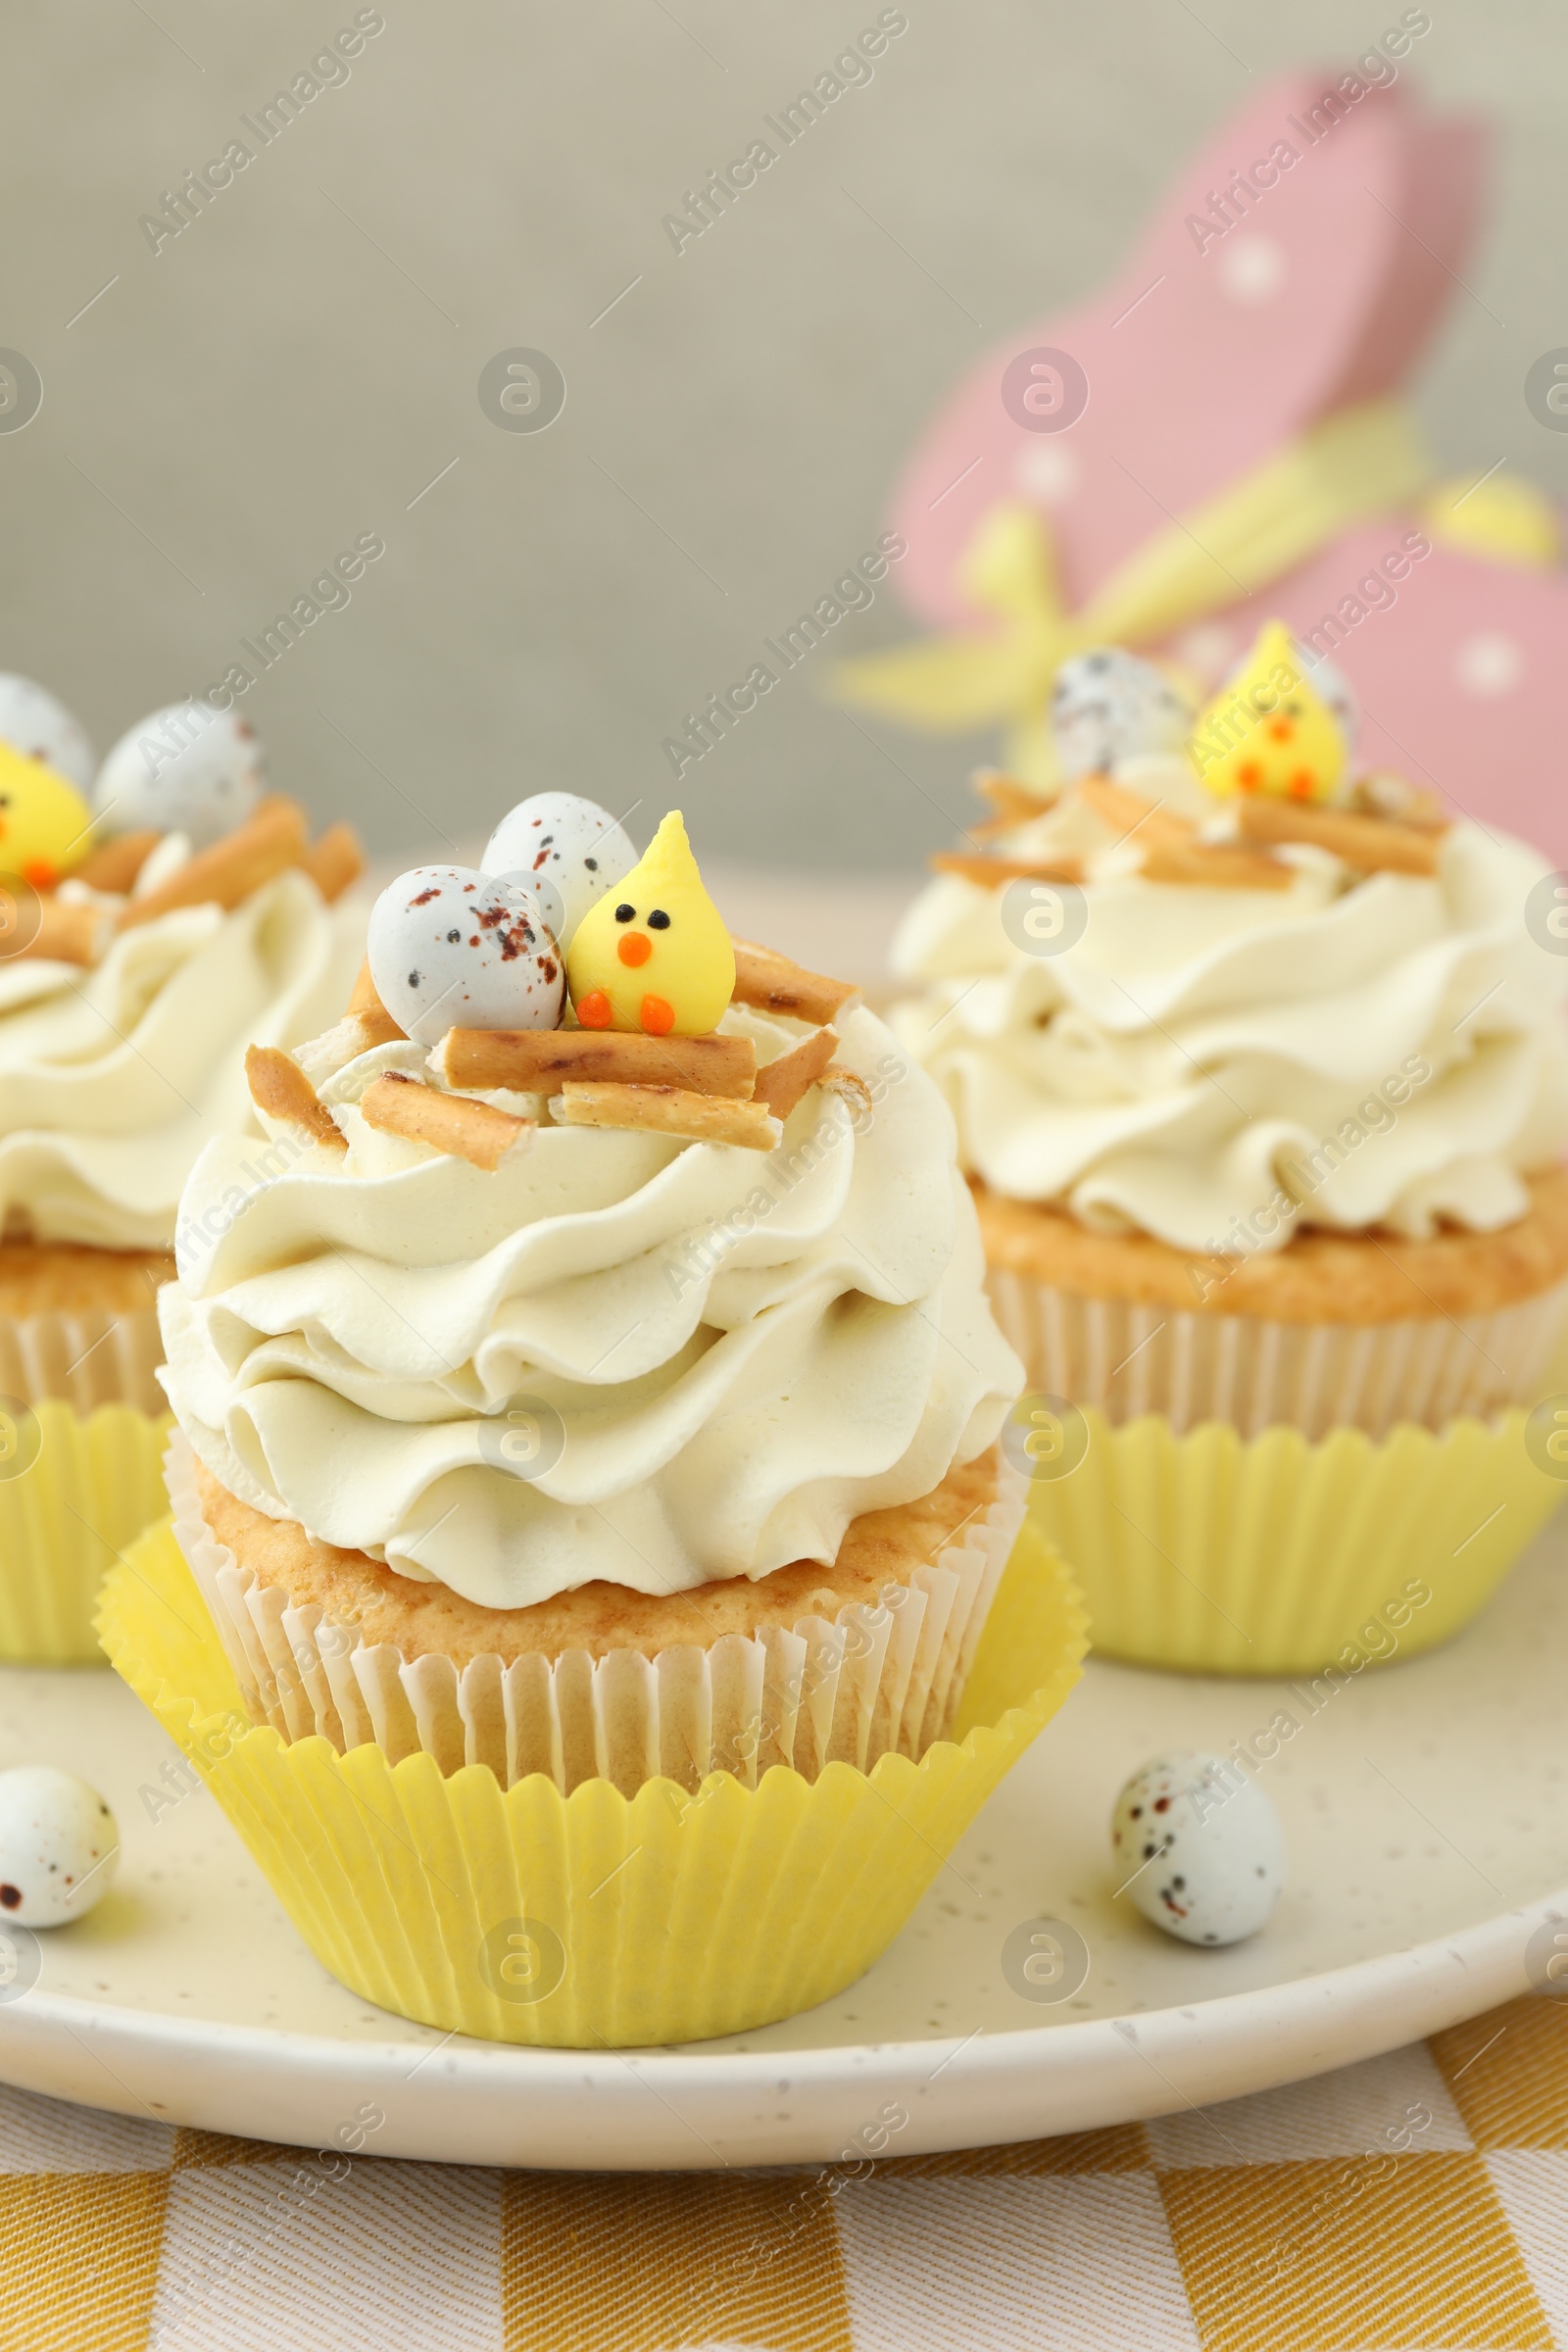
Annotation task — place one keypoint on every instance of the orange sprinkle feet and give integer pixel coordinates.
(634, 946)
(594, 1010)
(1301, 785)
(658, 1017)
(40, 873)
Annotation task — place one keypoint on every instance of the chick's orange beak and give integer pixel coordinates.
(634, 946)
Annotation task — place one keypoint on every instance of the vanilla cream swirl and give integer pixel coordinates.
(112, 1078)
(617, 1355)
(1220, 1067)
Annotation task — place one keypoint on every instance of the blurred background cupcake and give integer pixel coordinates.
(154, 920)
(1260, 1076)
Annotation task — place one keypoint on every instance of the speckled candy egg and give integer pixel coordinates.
(451, 948)
(1331, 686)
(33, 722)
(1108, 706)
(560, 838)
(1197, 1847)
(188, 770)
(59, 1847)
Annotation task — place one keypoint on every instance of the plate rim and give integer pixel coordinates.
(1093, 2074)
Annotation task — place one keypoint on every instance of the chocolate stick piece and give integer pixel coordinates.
(993, 872)
(851, 1087)
(280, 1088)
(783, 1083)
(1370, 844)
(66, 933)
(771, 983)
(450, 1123)
(1014, 802)
(363, 998)
(114, 864)
(360, 1033)
(334, 861)
(540, 1060)
(228, 873)
(1130, 814)
(1218, 864)
(668, 1110)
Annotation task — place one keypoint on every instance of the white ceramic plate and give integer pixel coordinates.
(1425, 1805)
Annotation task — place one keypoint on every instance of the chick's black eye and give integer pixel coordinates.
(657, 919)
(624, 911)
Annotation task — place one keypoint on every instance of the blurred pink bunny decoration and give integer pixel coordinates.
(1218, 440)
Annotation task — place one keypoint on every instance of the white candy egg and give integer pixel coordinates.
(1198, 1848)
(185, 770)
(544, 894)
(33, 721)
(59, 1847)
(1108, 706)
(454, 949)
(560, 838)
(1331, 685)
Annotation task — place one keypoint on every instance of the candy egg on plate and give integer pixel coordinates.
(451, 948)
(558, 837)
(1197, 1847)
(59, 1847)
(35, 724)
(190, 769)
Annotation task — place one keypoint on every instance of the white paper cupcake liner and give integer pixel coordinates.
(85, 1360)
(872, 1681)
(1131, 1360)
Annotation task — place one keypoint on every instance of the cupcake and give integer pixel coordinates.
(588, 1454)
(1258, 1068)
(145, 941)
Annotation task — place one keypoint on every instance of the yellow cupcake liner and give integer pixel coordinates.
(75, 1490)
(592, 1919)
(1276, 1554)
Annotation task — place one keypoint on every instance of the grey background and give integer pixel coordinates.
(299, 363)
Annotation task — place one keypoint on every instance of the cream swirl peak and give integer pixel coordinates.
(1220, 1023)
(662, 1295)
(127, 1000)
(612, 1353)
(113, 1078)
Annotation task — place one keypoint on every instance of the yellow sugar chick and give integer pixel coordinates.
(1268, 731)
(45, 824)
(654, 953)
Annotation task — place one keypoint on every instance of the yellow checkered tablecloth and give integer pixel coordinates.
(1416, 2203)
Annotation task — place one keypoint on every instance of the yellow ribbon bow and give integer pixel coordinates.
(1500, 516)
(1361, 462)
